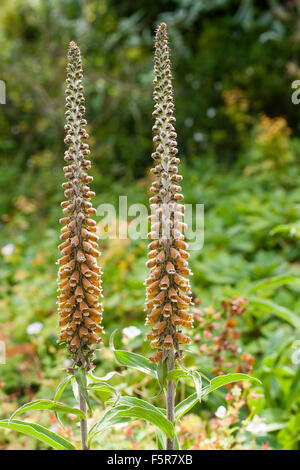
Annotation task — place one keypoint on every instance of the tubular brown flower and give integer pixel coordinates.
(79, 276)
(168, 291)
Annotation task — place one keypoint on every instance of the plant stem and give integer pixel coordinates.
(170, 400)
(83, 421)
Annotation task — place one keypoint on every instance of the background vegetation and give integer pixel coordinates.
(238, 131)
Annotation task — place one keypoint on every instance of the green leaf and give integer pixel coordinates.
(50, 405)
(38, 432)
(177, 374)
(222, 380)
(176, 442)
(105, 378)
(108, 419)
(96, 385)
(289, 435)
(133, 401)
(273, 282)
(154, 417)
(99, 385)
(129, 409)
(198, 383)
(59, 391)
(60, 388)
(292, 229)
(186, 405)
(294, 389)
(281, 312)
(130, 359)
(80, 376)
(75, 389)
(160, 439)
(104, 391)
(189, 374)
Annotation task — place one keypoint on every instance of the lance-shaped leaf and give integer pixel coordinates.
(277, 310)
(38, 432)
(49, 405)
(186, 405)
(130, 359)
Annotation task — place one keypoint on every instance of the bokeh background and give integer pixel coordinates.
(238, 133)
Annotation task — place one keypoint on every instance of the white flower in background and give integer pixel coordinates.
(131, 332)
(221, 412)
(257, 426)
(8, 249)
(211, 112)
(198, 137)
(120, 425)
(236, 391)
(54, 428)
(34, 328)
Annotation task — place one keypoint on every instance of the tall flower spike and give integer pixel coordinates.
(79, 276)
(168, 291)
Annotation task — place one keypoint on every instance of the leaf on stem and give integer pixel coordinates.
(38, 432)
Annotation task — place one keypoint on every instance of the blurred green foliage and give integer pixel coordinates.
(234, 62)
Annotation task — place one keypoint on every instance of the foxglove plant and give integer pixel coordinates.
(168, 291)
(79, 276)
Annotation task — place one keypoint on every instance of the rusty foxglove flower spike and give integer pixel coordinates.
(168, 291)
(79, 277)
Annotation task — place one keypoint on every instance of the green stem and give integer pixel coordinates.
(170, 400)
(83, 421)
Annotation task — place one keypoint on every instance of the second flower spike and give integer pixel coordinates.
(168, 290)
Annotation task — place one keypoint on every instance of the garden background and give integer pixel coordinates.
(238, 132)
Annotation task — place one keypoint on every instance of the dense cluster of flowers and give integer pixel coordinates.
(168, 291)
(79, 275)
